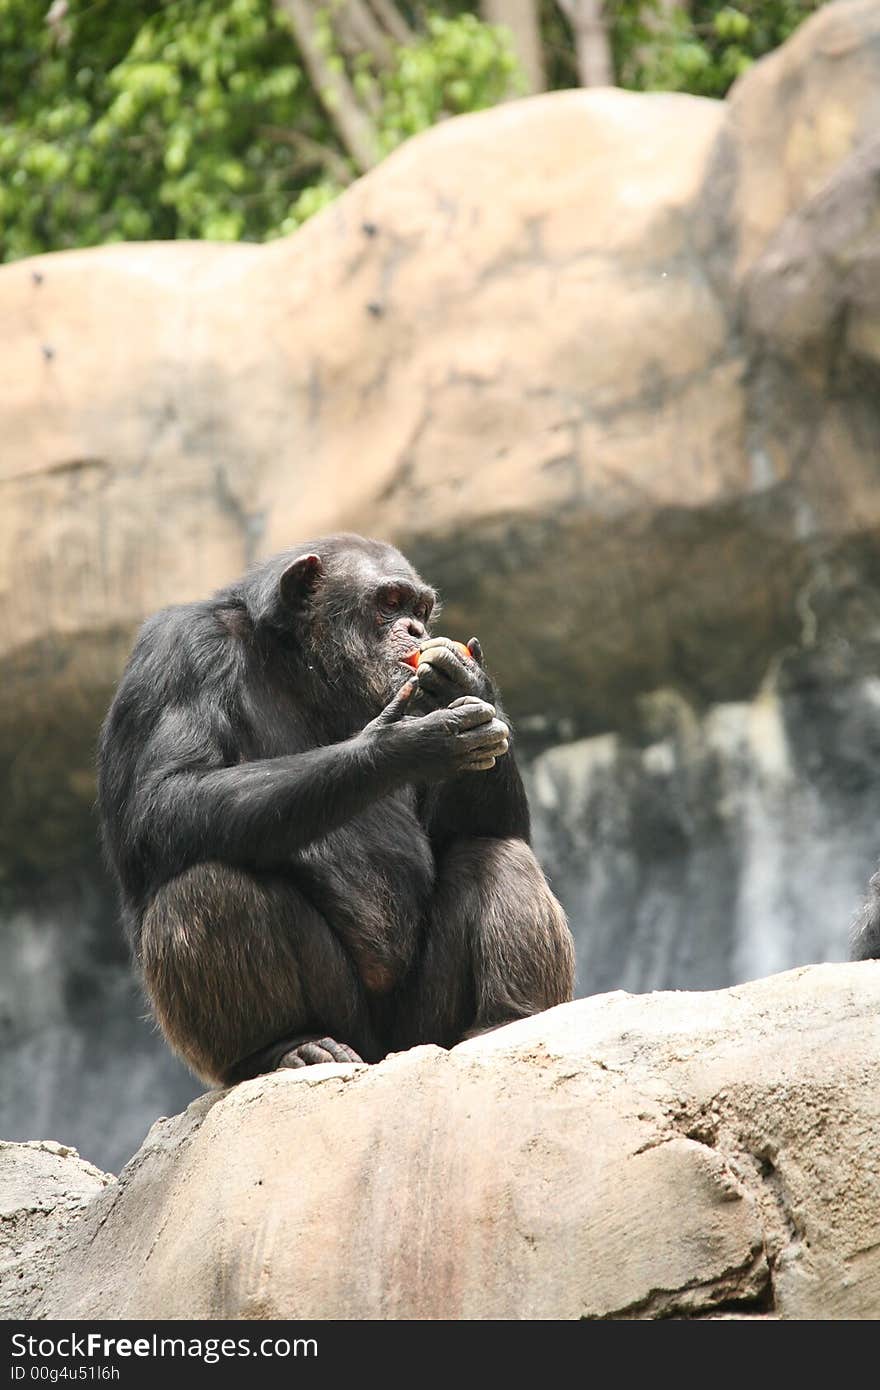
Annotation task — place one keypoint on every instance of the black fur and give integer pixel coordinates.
(300, 847)
(866, 932)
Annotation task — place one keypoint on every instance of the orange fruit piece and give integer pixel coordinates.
(412, 658)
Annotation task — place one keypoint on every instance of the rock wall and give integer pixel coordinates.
(80, 1059)
(43, 1187)
(606, 366)
(663, 1155)
(718, 847)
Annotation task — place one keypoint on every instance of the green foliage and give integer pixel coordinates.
(136, 119)
(460, 65)
(702, 48)
(195, 118)
(143, 120)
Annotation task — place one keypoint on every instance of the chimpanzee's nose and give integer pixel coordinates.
(415, 628)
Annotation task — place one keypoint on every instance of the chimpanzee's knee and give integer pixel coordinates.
(496, 946)
(523, 954)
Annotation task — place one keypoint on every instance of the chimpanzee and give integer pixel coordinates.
(321, 855)
(865, 944)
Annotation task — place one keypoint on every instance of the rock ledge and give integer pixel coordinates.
(623, 1156)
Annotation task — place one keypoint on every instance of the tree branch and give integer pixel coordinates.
(392, 20)
(312, 150)
(358, 32)
(521, 18)
(352, 125)
(593, 49)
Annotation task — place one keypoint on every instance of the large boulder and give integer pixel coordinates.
(510, 349)
(465, 354)
(606, 366)
(631, 1157)
(796, 117)
(43, 1187)
(720, 846)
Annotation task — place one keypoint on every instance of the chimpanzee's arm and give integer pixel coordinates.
(260, 814)
(177, 784)
(491, 803)
(176, 798)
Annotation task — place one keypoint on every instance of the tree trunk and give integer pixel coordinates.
(359, 31)
(312, 151)
(521, 18)
(350, 121)
(592, 46)
(392, 20)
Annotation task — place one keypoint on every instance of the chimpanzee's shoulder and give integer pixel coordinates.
(176, 629)
(184, 642)
(174, 622)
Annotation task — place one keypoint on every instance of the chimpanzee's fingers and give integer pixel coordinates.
(479, 752)
(429, 674)
(434, 643)
(310, 1053)
(438, 683)
(340, 1052)
(398, 707)
(426, 701)
(491, 738)
(313, 1053)
(444, 656)
(475, 648)
(471, 712)
(482, 766)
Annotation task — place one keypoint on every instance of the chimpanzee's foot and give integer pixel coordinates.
(479, 1029)
(308, 1051)
(303, 1051)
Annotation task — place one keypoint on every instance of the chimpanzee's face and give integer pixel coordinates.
(371, 612)
(402, 610)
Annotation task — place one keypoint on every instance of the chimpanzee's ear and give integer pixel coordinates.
(300, 579)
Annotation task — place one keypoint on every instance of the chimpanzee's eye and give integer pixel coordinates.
(421, 612)
(390, 599)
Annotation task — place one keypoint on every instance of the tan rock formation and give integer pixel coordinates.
(622, 1156)
(799, 114)
(43, 1187)
(517, 348)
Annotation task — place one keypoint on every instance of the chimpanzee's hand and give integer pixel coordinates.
(444, 674)
(465, 737)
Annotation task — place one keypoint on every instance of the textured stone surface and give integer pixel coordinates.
(518, 257)
(617, 1157)
(816, 286)
(515, 348)
(79, 1056)
(798, 115)
(717, 847)
(606, 366)
(43, 1187)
